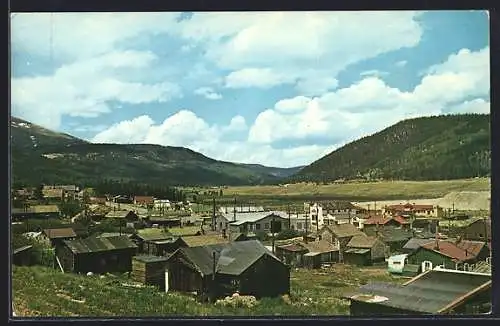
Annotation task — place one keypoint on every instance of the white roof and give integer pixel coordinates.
(242, 218)
(398, 257)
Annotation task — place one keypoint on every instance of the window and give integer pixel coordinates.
(396, 263)
(266, 226)
(299, 225)
(257, 226)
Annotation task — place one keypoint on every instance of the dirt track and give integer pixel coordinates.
(463, 200)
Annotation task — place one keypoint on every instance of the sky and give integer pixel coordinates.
(275, 88)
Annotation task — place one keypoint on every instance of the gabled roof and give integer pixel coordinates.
(93, 244)
(231, 258)
(436, 291)
(461, 251)
(362, 241)
(321, 246)
(295, 247)
(59, 233)
(119, 214)
(242, 218)
(394, 234)
(343, 230)
(152, 234)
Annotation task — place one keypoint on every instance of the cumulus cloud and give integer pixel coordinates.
(208, 93)
(72, 36)
(401, 63)
(84, 89)
(370, 105)
(374, 72)
(297, 53)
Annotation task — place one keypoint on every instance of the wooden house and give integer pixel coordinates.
(339, 235)
(214, 271)
(97, 255)
(54, 237)
(393, 236)
(157, 242)
(364, 250)
(125, 215)
(434, 292)
(149, 270)
(379, 221)
(291, 253)
(479, 230)
(396, 263)
(311, 254)
(22, 256)
(409, 209)
(320, 252)
(35, 212)
(449, 254)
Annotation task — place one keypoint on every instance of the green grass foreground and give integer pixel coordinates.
(39, 291)
(386, 190)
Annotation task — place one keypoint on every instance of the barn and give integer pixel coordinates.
(97, 255)
(214, 271)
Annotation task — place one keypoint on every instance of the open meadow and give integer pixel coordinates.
(40, 291)
(382, 190)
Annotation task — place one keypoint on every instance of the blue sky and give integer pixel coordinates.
(246, 87)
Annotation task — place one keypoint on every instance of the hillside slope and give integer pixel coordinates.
(428, 148)
(43, 156)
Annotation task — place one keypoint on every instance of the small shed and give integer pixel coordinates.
(150, 270)
(363, 250)
(54, 237)
(291, 254)
(204, 240)
(396, 263)
(156, 242)
(22, 256)
(97, 255)
(414, 243)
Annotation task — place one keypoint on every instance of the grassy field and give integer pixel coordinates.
(361, 191)
(39, 291)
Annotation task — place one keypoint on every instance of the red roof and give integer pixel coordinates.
(382, 220)
(144, 199)
(462, 251)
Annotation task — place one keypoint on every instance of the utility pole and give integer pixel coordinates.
(289, 217)
(213, 214)
(234, 210)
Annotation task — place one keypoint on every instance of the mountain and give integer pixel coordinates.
(428, 148)
(40, 155)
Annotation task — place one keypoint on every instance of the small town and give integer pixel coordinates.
(243, 253)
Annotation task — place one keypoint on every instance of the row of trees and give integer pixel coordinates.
(132, 188)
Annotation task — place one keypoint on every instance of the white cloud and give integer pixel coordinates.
(126, 132)
(83, 89)
(374, 72)
(257, 77)
(401, 63)
(237, 123)
(371, 105)
(208, 93)
(478, 105)
(277, 49)
(83, 35)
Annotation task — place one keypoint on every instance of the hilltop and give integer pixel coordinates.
(40, 155)
(429, 148)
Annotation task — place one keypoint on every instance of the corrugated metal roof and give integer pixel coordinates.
(416, 243)
(94, 244)
(152, 234)
(428, 293)
(461, 251)
(242, 218)
(237, 256)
